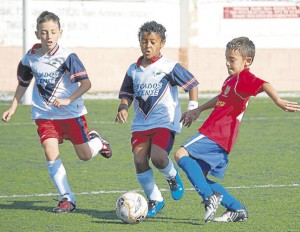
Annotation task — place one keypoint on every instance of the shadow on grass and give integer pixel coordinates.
(176, 220)
(32, 205)
(107, 217)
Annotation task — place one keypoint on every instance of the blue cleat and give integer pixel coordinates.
(154, 207)
(176, 187)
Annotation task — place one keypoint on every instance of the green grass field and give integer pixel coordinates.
(263, 174)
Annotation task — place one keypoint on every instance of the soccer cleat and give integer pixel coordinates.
(105, 150)
(154, 207)
(233, 216)
(211, 205)
(64, 206)
(176, 187)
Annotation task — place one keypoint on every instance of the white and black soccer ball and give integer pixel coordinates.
(131, 207)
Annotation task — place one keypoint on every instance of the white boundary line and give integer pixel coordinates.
(198, 120)
(163, 190)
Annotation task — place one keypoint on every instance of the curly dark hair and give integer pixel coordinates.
(155, 27)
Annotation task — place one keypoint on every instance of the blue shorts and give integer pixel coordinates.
(210, 156)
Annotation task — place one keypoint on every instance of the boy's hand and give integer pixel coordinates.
(6, 116)
(288, 106)
(189, 116)
(61, 102)
(121, 116)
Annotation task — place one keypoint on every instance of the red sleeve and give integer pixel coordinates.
(248, 84)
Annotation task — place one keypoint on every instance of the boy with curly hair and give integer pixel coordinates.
(152, 85)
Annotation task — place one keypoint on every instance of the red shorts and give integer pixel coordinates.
(74, 129)
(162, 137)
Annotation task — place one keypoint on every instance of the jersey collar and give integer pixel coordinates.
(39, 45)
(153, 59)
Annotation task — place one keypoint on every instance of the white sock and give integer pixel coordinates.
(95, 145)
(169, 171)
(58, 176)
(146, 181)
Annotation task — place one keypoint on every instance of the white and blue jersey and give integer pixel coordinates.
(154, 91)
(56, 75)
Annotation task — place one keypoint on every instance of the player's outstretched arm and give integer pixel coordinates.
(123, 110)
(14, 104)
(285, 105)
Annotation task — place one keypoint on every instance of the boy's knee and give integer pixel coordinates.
(85, 158)
(181, 152)
(160, 162)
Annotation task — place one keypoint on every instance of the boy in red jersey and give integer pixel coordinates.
(207, 151)
(57, 104)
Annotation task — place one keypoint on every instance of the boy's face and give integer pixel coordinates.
(235, 62)
(150, 44)
(49, 33)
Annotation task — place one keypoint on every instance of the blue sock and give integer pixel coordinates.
(195, 175)
(228, 201)
(147, 182)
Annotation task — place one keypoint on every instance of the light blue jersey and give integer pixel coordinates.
(56, 76)
(154, 90)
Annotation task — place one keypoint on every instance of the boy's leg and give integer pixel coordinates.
(202, 149)
(86, 144)
(92, 147)
(48, 131)
(162, 142)
(211, 199)
(172, 176)
(228, 201)
(98, 145)
(58, 175)
(156, 201)
(235, 212)
(141, 146)
(195, 176)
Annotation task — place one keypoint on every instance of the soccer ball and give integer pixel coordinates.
(131, 207)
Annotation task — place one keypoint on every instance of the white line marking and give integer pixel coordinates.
(198, 120)
(163, 190)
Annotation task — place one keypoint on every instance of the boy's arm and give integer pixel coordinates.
(85, 85)
(192, 115)
(193, 98)
(123, 110)
(285, 105)
(208, 105)
(14, 104)
(192, 104)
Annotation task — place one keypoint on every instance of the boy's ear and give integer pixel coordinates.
(37, 35)
(248, 61)
(162, 44)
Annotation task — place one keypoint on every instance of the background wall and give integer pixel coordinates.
(104, 35)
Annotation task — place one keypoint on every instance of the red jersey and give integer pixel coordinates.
(222, 124)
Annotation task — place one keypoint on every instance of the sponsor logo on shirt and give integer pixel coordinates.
(147, 89)
(220, 103)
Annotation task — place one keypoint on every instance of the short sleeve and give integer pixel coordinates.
(76, 68)
(248, 84)
(127, 88)
(182, 77)
(24, 74)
